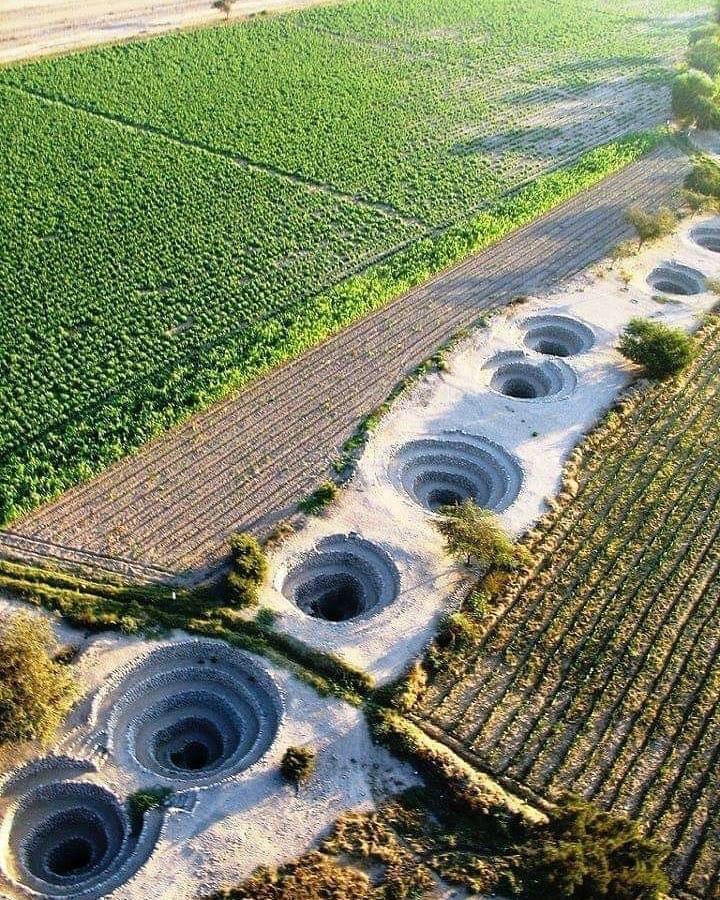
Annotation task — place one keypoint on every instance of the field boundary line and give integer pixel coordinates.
(385, 209)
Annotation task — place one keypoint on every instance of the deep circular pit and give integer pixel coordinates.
(454, 467)
(555, 335)
(707, 236)
(195, 713)
(676, 279)
(519, 377)
(344, 577)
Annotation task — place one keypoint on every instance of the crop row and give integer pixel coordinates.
(602, 670)
(181, 214)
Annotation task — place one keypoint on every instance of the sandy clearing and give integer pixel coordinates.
(539, 433)
(253, 818)
(31, 28)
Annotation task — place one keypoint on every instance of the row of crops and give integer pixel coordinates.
(601, 673)
(178, 214)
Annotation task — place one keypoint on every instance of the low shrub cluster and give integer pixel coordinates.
(586, 854)
(144, 800)
(36, 691)
(321, 497)
(696, 90)
(662, 350)
(651, 226)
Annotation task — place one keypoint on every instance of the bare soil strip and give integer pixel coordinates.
(31, 28)
(245, 462)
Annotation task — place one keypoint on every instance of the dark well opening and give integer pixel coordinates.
(340, 602)
(73, 855)
(191, 756)
(519, 388)
(552, 348)
(444, 497)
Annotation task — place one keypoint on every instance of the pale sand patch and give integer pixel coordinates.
(539, 433)
(254, 817)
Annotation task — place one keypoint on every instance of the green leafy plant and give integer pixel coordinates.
(144, 800)
(662, 350)
(587, 854)
(704, 55)
(319, 500)
(704, 178)
(249, 570)
(36, 692)
(695, 99)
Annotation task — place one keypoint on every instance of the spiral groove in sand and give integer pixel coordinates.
(194, 713)
(517, 375)
(674, 278)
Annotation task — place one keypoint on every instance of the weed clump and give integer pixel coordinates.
(651, 226)
(321, 497)
(298, 764)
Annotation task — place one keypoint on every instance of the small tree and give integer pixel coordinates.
(585, 853)
(694, 99)
(36, 692)
(298, 765)
(663, 351)
(249, 570)
(651, 226)
(224, 6)
(472, 533)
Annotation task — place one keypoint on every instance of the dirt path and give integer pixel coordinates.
(246, 461)
(30, 28)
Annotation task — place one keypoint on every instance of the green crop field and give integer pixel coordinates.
(600, 673)
(180, 214)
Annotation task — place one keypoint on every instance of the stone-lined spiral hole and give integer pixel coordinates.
(674, 278)
(516, 376)
(193, 717)
(556, 335)
(707, 236)
(342, 578)
(454, 467)
(68, 838)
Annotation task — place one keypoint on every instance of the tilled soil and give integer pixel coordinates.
(246, 461)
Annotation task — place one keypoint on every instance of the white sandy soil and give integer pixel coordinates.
(540, 433)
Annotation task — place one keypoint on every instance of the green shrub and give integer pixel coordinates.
(315, 503)
(241, 592)
(472, 533)
(651, 226)
(298, 764)
(36, 692)
(143, 800)
(694, 99)
(704, 55)
(663, 351)
(704, 178)
(587, 854)
(248, 558)
(458, 632)
(249, 571)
